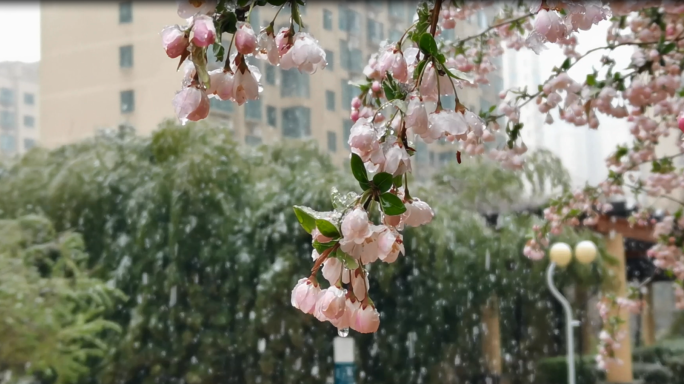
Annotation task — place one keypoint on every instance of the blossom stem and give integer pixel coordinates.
(435, 17)
(494, 27)
(322, 258)
(226, 67)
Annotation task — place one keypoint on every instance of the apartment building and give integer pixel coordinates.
(19, 129)
(115, 72)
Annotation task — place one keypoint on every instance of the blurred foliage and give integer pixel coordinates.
(199, 232)
(51, 322)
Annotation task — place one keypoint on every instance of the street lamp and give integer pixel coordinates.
(561, 255)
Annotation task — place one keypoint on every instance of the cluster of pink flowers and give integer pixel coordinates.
(411, 76)
(237, 81)
(610, 336)
(344, 264)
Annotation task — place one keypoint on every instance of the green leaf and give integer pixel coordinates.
(296, 16)
(566, 64)
(400, 104)
(307, 221)
(322, 247)
(383, 181)
(391, 205)
(327, 228)
(359, 171)
(419, 69)
(428, 45)
(277, 3)
(227, 23)
(219, 51)
(456, 74)
(591, 79)
(348, 261)
(199, 58)
(389, 92)
(397, 181)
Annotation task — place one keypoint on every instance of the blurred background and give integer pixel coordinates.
(136, 250)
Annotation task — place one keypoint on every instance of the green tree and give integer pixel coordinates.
(200, 234)
(52, 323)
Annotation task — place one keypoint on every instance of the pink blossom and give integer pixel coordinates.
(305, 55)
(359, 284)
(331, 303)
(246, 84)
(680, 122)
(203, 31)
(305, 295)
(390, 245)
(267, 49)
(417, 213)
(345, 321)
(445, 121)
(366, 319)
(191, 104)
(356, 226)
(332, 270)
(393, 61)
(550, 25)
(175, 41)
(363, 139)
(416, 116)
(221, 84)
(245, 38)
(397, 160)
(189, 8)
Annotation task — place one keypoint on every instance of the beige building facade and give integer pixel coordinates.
(117, 73)
(19, 117)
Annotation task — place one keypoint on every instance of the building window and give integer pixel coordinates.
(375, 31)
(348, 93)
(29, 143)
(7, 142)
(349, 20)
(272, 116)
(127, 101)
(253, 110)
(126, 56)
(29, 99)
(221, 105)
(294, 83)
(330, 59)
(29, 121)
(330, 100)
(327, 20)
(270, 75)
(332, 141)
(125, 12)
(296, 122)
(6, 96)
(7, 120)
(351, 59)
(346, 131)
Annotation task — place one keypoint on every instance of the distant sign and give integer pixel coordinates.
(344, 373)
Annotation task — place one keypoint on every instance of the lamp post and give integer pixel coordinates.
(343, 356)
(561, 255)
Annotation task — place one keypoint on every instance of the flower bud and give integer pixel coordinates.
(203, 31)
(245, 39)
(175, 41)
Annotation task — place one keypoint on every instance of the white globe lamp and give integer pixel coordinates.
(586, 251)
(561, 254)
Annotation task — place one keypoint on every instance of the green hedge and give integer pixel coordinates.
(650, 373)
(554, 370)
